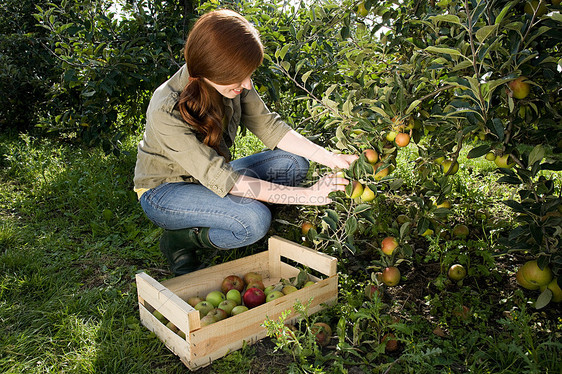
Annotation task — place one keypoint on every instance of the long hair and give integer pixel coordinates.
(224, 48)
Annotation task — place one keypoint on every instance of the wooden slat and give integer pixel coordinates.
(174, 342)
(180, 313)
(313, 259)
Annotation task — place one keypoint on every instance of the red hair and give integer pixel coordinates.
(224, 48)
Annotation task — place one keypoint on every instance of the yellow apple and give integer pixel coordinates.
(371, 155)
(451, 165)
(391, 135)
(391, 276)
(381, 173)
(519, 88)
(491, 156)
(357, 190)
(533, 274)
(502, 161)
(402, 139)
(367, 195)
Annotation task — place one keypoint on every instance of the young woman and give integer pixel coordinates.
(184, 177)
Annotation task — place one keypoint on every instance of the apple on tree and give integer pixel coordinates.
(389, 244)
(402, 139)
(305, 227)
(371, 155)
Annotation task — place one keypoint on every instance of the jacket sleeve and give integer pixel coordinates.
(180, 144)
(267, 126)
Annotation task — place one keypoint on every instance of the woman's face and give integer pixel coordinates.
(232, 90)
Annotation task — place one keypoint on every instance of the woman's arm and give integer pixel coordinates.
(297, 144)
(273, 193)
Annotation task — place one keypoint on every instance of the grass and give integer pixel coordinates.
(72, 237)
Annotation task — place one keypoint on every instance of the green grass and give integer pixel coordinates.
(73, 236)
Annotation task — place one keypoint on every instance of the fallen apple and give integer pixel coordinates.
(323, 333)
(194, 301)
(522, 282)
(461, 231)
(534, 275)
(253, 297)
(232, 282)
(391, 344)
(391, 276)
(457, 272)
(372, 292)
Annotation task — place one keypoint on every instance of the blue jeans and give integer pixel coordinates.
(233, 221)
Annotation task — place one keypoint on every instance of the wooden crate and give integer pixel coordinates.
(202, 345)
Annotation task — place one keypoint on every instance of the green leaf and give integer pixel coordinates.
(306, 75)
(447, 51)
(536, 155)
(412, 106)
(351, 225)
(478, 151)
(484, 32)
(517, 207)
(451, 18)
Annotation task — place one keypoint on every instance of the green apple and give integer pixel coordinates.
(308, 284)
(461, 231)
(239, 309)
(391, 135)
(269, 289)
(381, 173)
(217, 314)
(235, 296)
(503, 161)
(227, 306)
(215, 298)
(356, 190)
(274, 295)
(172, 327)
(207, 320)
(160, 317)
(451, 165)
(204, 307)
(367, 195)
(288, 289)
(490, 156)
(534, 275)
(457, 272)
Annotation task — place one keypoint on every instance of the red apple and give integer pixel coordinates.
(253, 297)
(389, 244)
(371, 155)
(194, 301)
(372, 292)
(391, 342)
(391, 276)
(305, 227)
(323, 333)
(232, 282)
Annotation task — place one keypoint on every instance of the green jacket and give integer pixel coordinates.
(171, 152)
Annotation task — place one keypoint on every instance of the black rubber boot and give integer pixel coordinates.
(180, 248)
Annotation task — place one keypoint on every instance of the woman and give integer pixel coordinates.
(184, 177)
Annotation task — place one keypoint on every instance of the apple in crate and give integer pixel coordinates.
(253, 297)
(232, 282)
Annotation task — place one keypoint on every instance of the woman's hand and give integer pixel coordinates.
(318, 193)
(340, 161)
